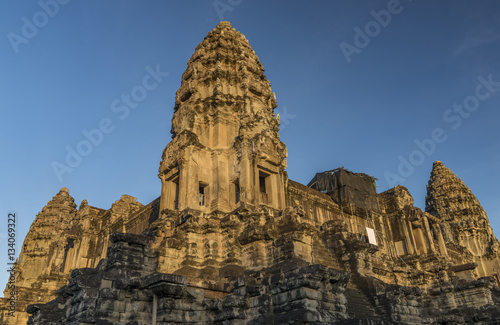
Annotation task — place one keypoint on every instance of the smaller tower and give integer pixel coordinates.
(226, 149)
(464, 219)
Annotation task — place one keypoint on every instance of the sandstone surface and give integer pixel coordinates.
(232, 240)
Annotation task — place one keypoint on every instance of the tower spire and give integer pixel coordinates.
(449, 197)
(464, 219)
(226, 149)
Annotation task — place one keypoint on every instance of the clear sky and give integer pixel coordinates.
(381, 87)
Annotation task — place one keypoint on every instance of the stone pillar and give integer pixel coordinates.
(220, 194)
(184, 184)
(428, 234)
(255, 185)
(192, 182)
(441, 243)
(411, 244)
(155, 310)
(164, 193)
(247, 178)
(420, 240)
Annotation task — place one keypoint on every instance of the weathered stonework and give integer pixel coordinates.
(62, 239)
(464, 221)
(231, 240)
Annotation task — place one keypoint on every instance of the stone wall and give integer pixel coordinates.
(209, 249)
(125, 289)
(231, 240)
(63, 238)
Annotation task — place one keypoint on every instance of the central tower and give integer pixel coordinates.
(226, 151)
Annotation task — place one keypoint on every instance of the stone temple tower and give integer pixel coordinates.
(225, 151)
(464, 220)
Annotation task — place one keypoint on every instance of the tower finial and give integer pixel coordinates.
(224, 24)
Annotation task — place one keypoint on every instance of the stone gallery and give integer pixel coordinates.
(232, 240)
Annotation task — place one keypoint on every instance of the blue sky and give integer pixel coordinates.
(360, 84)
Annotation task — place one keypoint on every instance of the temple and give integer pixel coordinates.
(232, 240)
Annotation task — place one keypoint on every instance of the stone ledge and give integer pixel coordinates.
(464, 267)
(130, 239)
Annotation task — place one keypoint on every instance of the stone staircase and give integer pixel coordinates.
(359, 306)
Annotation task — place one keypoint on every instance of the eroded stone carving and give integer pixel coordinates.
(231, 240)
